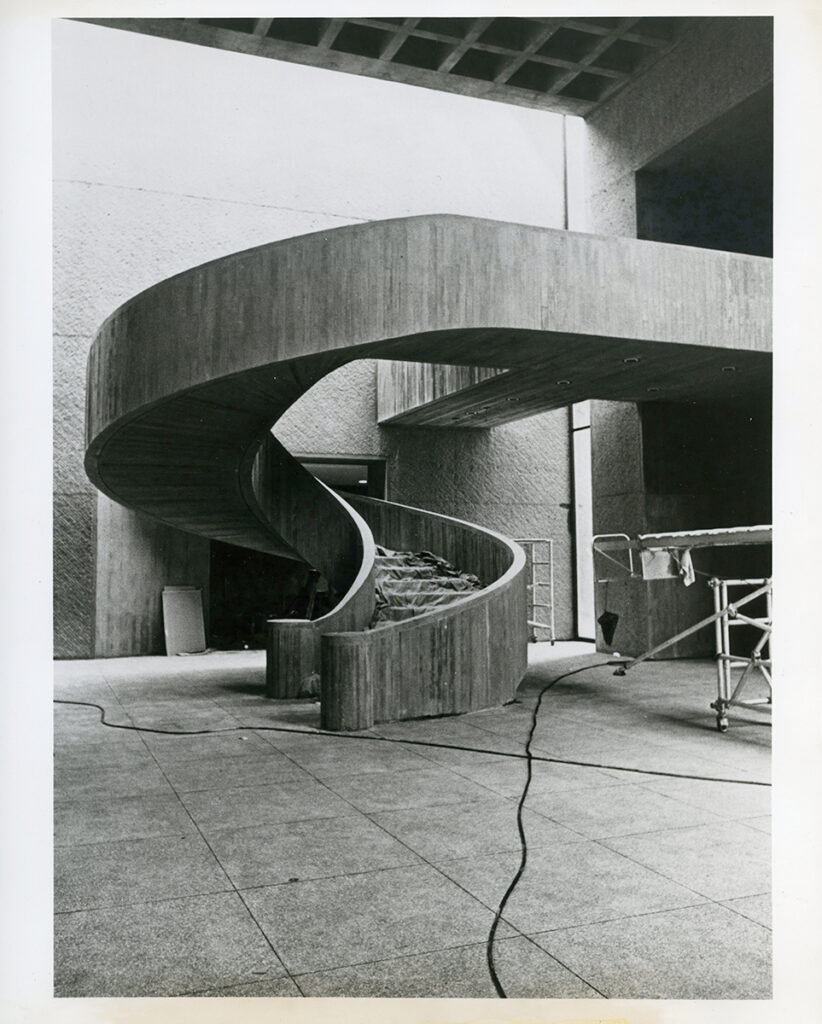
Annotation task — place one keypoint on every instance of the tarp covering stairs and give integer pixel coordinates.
(409, 584)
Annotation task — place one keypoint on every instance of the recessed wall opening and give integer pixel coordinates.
(715, 189)
(348, 474)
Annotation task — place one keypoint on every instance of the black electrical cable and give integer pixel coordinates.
(528, 756)
(489, 945)
(409, 742)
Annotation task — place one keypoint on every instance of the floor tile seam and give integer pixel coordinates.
(94, 801)
(747, 917)
(744, 819)
(265, 760)
(487, 726)
(676, 828)
(402, 956)
(434, 867)
(228, 711)
(575, 840)
(593, 747)
(271, 824)
(454, 726)
(321, 781)
(720, 772)
(408, 741)
(695, 780)
(135, 838)
(748, 818)
(168, 705)
(582, 722)
(270, 755)
(228, 877)
(555, 821)
(724, 764)
(412, 742)
(240, 785)
(263, 932)
(236, 830)
(178, 836)
(508, 750)
(149, 902)
(137, 762)
(60, 801)
(177, 762)
(658, 872)
(81, 747)
(621, 918)
(223, 990)
(434, 802)
(162, 735)
(736, 817)
(381, 772)
(146, 902)
(563, 965)
(482, 785)
(439, 949)
(429, 759)
(604, 783)
(382, 869)
(509, 755)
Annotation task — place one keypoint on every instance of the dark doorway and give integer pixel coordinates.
(248, 587)
(348, 474)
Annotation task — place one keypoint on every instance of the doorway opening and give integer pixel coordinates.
(350, 474)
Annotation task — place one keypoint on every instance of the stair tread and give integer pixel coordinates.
(414, 584)
(413, 591)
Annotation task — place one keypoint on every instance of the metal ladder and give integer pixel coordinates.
(539, 553)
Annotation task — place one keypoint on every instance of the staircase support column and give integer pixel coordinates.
(347, 692)
(292, 659)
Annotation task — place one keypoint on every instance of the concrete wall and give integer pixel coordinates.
(167, 155)
(720, 64)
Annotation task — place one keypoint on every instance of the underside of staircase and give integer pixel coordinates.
(187, 379)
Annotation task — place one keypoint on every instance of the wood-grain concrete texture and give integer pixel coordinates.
(454, 659)
(186, 379)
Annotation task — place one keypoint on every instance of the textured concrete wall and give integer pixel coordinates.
(514, 478)
(136, 558)
(619, 507)
(720, 63)
(167, 155)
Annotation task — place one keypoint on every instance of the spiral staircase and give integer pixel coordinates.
(187, 379)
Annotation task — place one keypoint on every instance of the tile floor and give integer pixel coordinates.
(284, 863)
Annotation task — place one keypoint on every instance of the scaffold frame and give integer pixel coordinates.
(727, 615)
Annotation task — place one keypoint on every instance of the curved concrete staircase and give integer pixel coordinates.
(186, 380)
